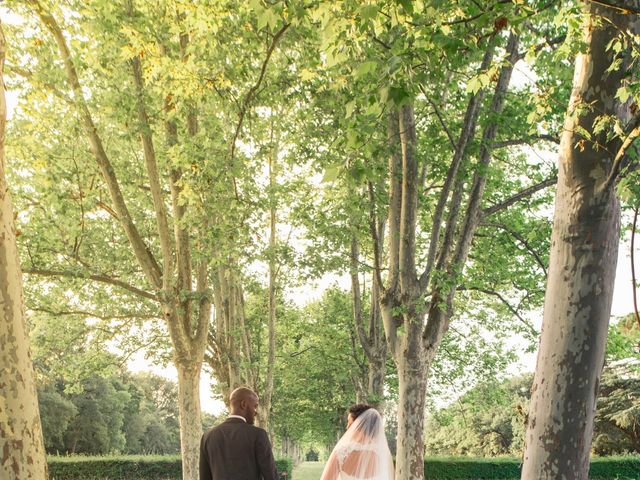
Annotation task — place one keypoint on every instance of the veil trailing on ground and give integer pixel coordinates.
(362, 452)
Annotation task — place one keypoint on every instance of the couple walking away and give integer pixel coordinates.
(237, 450)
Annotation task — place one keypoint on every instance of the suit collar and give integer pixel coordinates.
(236, 418)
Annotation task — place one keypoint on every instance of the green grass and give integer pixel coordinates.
(308, 471)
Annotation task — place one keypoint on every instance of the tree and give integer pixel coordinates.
(103, 415)
(440, 185)
(617, 418)
(174, 262)
(597, 134)
(20, 428)
(187, 317)
(56, 413)
(489, 420)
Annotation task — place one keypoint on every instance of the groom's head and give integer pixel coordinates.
(244, 402)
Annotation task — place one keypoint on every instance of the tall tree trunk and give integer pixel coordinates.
(377, 373)
(22, 453)
(412, 384)
(190, 416)
(370, 389)
(378, 361)
(229, 350)
(584, 247)
(273, 274)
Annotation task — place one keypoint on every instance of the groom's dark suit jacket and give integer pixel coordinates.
(235, 450)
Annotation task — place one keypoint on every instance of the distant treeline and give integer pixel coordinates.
(134, 414)
(490, 419)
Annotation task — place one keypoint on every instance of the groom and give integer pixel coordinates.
(235, 449)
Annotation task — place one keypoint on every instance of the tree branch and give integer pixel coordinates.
(547, 43)
(93, 314)
(377, 261)
(395, 199)
(440, 118)
(526, 141)
(623, 8)
(251, 93)
(633, 266)
(96, 277)
(151, 165)
(467, 133)
(27, 75)
(620, 155)
(356, 299)
(521, 239)
(141, 250)
(473, 213)
(532, 330)
(526, 193)
(409, 199)
(475, 17)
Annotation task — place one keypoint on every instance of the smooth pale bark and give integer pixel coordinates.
(229, 351)
(190, 420)
(22, 453)
(584, 247)
(377, 371)
(265, 402)
(372, 340)
(412, 384)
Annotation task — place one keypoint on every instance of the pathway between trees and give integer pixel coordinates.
(308, 471)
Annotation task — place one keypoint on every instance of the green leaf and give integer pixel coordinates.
(474, 85)
(352, 138)
(331, 174)
(364, 68)
(334, 57)
(350, 106)
(407, 5)
(399, 95)
(267, 18)
(374, 109)
(307, 74)
(367, 12)
(583, 132)
(623, 94)
(255, 6)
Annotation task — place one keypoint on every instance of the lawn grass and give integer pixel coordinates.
(308, 471)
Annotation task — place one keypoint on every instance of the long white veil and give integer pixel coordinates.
(362, 452)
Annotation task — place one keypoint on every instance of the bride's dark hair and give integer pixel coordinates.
(370, 423)
(359, 408)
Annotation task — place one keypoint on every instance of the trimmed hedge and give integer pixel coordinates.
(456, 468)
(615, 468)
(134, 467)
(143, 467)
(284, 467)
(450, 468)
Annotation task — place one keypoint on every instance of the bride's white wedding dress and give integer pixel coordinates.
(362, 453)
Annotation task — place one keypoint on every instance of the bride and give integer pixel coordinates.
(362, 452)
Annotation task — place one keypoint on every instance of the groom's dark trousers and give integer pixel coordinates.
(235, 450)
